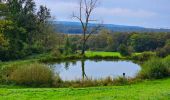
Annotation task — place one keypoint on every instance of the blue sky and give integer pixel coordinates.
(146, 13)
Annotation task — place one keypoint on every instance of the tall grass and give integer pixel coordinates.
(155, 68)
(97, 82)
(32, 74)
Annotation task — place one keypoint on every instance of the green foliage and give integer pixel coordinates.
(3, 41)
(124, 50)
(56, 53)
(11, 34)
(3, 10)
(144, 42)
(24, 32)
(144, 56)
(103, 41)
(43, 14)
(166, 62)
(163, 52)
(69, 48)
(154, 68)
(111, 41)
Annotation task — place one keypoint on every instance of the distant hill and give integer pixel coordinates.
(75, 28)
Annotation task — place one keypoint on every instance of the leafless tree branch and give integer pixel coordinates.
(87, 7)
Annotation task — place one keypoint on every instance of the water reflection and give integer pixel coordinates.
(85, 69)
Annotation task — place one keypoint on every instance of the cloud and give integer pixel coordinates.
(64, 10)
(147, 13)
(125, 12)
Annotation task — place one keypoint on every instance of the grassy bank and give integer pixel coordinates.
(91, 55)
(47, 57)
(147, 90)
(88, 55)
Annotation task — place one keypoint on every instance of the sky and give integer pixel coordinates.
(146, 13)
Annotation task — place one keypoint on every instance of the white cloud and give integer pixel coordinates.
(124, 12)
(116, 12)
(63, 10)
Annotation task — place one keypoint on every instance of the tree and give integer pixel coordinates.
(43, 14)
(3, 10)
(23, 31)
(12, 35)
(101, 41)
(124, 50)
(67, 47)
(165, 51)
(118, 39)
(3, 42)
(144, 42)
(22, 13)
(86, 7)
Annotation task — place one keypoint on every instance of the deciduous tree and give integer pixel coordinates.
(86, 7)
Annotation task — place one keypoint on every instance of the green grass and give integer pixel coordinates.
(46, 57)
(148, 90)
(103, 54)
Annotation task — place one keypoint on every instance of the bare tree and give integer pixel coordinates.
(86, 8)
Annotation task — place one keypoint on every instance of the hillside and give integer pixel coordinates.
(75, 28)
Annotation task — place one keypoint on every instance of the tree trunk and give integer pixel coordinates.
(84, 42)
(83, 48)
(83, 70)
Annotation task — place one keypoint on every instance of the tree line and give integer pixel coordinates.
(126, 43)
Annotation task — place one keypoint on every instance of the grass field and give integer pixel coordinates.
(103, 54)
(47, 57)
(148, 90)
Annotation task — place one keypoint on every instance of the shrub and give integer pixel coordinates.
(154, 69)
(32, 75)
(163, 52)
(56, 53)
(7, 69)
(166, 62)
(124, 50)
(144, 56)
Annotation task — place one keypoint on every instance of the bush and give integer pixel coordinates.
(56, 53)
(154, 69)
(166, 62)
(7, 69)
(163, 52)
(32, 75)
(124, 50)
(144, 56)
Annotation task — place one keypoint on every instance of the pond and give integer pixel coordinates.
(95, 69)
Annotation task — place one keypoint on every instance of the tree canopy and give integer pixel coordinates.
(24, 30)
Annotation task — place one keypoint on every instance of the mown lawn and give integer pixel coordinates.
(148, 90)
(103, 54)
